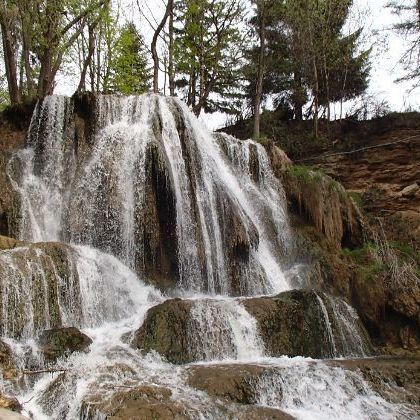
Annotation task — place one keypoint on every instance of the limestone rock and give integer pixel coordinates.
(396, 379)
(7, 365)
(10, 403)
(165, 331)
(233, 382)
(290, 324)
(9, 243)
(325, 203)
(60, 342)
(42, 267)
(410, 190)
(278, 158)
(155, 402)
(144, 402)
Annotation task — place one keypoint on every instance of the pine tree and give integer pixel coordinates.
(130, 72)
(207, 53)
(409, 27)
(306, 56)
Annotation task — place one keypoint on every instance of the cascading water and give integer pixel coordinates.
(345, 336)
(222, 212)
(148, 193)
(223, 329)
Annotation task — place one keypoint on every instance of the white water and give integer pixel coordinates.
(98, 199)
(311, 390)
(223, 329)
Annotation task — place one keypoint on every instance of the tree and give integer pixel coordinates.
(307, 56)
(261, 24)
(409, 26)
(129, 67)
(36, 37)
(208, 52)
(156, 34)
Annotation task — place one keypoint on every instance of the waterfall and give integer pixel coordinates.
(343, 328)
(152, 180)
(223, 329)
(320, 391)
(49, 286)
(47, 165)
(134, 205)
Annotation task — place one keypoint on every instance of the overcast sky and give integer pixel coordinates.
(370, 13)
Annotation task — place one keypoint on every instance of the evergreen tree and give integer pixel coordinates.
(307, 56)
(130, 73)
(208, 52)
(409, 27)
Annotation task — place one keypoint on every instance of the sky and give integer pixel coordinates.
(370, 13)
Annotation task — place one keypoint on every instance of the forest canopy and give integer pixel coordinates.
(230, 56)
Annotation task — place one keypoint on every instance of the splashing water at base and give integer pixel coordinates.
(311, 390)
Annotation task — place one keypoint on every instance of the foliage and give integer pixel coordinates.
(130, 73)
(207, 53)
(307, 56)
(409, 27)
(37, 35)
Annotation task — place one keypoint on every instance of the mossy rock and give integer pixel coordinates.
(60, 342)
(291, 324)
(165, 330)
(9, 243)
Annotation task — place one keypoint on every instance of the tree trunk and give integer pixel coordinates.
(260, 76)
(155, 56)
(316, 97)
(88, 60)
(10, 64)
(171, 54)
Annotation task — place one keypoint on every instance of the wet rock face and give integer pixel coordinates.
(9, 243)
(145, 402)
(396, 379)
(157, 226)
(295, 323)
(156, 402)
(9, 201)
(33, 280)
(290, 324)
(165, 331)
(233, 382)
(7, 365)
(60, 342)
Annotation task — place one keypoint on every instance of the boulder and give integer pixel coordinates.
(60, 342)
(410, 190)
(165, 330)
(7, 365)
(9, 403)
(235, 382)
(309, 324)
(291, 323)
(294, 323)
